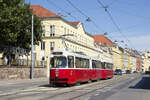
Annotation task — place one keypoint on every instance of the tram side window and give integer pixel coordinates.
(93, 64)
(82, 63)
(70, 62)
(112, 66)
(77, 63)
(103, 65)
(86, 63)
(108, 66)
(99, 64)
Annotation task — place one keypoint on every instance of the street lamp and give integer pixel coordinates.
(32, 59)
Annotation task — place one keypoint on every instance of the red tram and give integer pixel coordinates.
(73, 67)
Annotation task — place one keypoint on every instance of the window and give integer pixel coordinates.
(82, 63)
(52, 45)
(58, 62)
(70, 62)
(64, 30)
(77, 62)
(105, 44)
(52, 30)
(43, 29)
(93, 64)
(103, 65)
(96, 64)
(68, 31)
(42, 45)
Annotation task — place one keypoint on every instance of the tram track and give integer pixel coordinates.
(55, 92)
(105, 84)
(89, 92)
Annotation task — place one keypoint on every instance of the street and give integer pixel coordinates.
(136, 89)
(74, 50)
(125, 87)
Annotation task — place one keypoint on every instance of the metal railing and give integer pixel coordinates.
(24, 62)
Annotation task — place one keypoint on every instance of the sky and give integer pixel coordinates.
(131, 17)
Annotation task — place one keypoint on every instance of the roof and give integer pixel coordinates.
(75, 23)
(130, 52)
(42, 12)
(102, 39)
(45, 13)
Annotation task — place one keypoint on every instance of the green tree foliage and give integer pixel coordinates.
(15, 24)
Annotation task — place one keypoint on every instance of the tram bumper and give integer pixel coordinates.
(57, 80)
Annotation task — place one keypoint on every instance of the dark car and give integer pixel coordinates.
(147, 72)
(118, 72)
(128, 72)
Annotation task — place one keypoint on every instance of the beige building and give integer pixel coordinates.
(60, 33)
(106, 45)
(146, 61)
(132, 60)
(117, 57)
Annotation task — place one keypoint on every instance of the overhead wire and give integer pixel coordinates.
(55, 5)
(88, 18)
(114, 1)
(68, 13)
(113, 21)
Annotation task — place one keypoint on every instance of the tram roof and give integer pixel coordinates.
(67, 52)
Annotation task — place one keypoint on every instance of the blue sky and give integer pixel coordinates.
(132, 17)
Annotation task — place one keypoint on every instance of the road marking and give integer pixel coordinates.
(96, 94)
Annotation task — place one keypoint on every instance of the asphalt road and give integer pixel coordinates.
(135, 89)
(125, 87)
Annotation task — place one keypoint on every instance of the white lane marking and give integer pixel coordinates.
(96, 94)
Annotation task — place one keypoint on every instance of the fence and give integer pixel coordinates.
(24, 62)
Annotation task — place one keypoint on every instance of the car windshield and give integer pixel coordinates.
(58, 62)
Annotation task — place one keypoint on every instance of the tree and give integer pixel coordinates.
(15, 25)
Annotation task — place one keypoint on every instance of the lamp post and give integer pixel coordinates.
(32, 59)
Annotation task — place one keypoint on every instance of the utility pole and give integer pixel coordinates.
(32, 57)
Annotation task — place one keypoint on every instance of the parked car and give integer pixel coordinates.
(147, 72)
(123, 71)
(128, 72)
(118, 72)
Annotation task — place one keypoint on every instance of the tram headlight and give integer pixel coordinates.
(57, 73)
(70, 72)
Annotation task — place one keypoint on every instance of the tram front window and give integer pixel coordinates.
(58, 62)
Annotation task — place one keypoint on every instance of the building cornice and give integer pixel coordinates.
(59, 37)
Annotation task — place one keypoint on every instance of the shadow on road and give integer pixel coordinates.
(144, 83)
(54, 86)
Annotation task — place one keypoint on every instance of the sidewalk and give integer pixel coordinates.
(13, 86)
(2, 82)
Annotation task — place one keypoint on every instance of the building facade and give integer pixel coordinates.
(146, 61)
(117, 57)
(60, 33)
